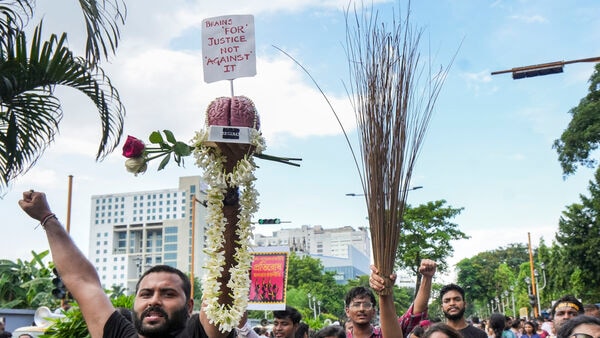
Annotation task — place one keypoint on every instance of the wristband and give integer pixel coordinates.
(46, 219)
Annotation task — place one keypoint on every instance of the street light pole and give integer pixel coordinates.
(313, 305)
(538, 287)
(512, 293)
(409, 189)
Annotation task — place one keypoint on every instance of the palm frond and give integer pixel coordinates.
(13, 16)
(30, 113)
(102, 22)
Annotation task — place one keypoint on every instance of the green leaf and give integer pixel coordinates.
(156, 138)
(164, 162)
(182, 149)
(170, 136)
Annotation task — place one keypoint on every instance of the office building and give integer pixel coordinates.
(130, 232)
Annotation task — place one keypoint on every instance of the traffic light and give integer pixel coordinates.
(537, 72)
(60, 290)
(269, 221)
(532, 299)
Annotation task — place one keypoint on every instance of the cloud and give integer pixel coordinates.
(477, 81)
(536, 18)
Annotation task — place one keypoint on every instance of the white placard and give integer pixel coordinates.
(228, 48)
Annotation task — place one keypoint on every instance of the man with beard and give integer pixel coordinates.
(162, 303)
(453, 302)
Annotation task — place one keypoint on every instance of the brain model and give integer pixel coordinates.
(237, 111)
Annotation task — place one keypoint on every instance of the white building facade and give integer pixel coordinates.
(129, 232)
(316, 240)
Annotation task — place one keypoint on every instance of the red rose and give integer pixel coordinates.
(133, 147)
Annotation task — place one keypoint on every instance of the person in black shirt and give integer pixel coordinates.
(162, 306)
(453, 302)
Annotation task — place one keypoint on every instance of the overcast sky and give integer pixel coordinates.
(488, 149)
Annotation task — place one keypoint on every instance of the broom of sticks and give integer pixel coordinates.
(393, 108)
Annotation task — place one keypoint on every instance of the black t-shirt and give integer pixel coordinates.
(473, 332)
(118, 326)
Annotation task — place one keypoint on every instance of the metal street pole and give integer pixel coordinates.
(533, 281)
(512, 290)
(537, 292)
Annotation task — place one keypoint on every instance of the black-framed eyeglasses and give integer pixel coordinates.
(581, 335)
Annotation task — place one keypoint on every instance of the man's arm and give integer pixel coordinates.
(388, 320)
(78, 274)
(427, 270)
(418, 310)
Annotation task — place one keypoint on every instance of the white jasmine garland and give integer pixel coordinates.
(211, 160)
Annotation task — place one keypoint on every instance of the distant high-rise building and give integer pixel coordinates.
(316, 240)
(129, 232)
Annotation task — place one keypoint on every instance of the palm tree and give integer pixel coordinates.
(29, 111)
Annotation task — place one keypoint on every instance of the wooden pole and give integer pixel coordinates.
(69, 197)
(193, 198)
(68, 223)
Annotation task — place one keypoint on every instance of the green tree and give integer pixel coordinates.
(582, 135)
(30, 112)
(489, 274)
(578, 231)
(307, 274)
(559, 271)
(26, 284)
(427, 233)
